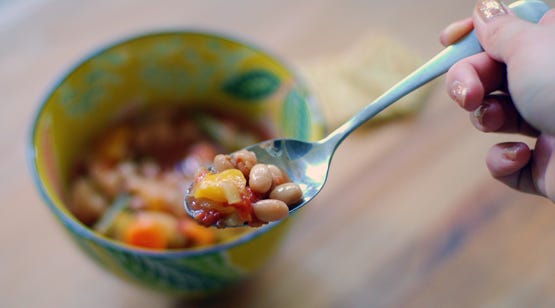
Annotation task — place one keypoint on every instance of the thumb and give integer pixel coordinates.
(499, 30)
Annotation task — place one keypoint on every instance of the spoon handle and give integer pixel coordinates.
(531, 10)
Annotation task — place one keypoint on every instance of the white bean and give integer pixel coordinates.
(260, 179)
(244, 160)
(290, 193)
(222, 162)
(270, 210)
(278, 176)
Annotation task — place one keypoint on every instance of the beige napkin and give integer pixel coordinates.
(346, 82)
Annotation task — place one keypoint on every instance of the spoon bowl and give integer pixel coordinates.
(308, 163)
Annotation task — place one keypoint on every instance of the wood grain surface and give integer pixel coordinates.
(409, 217)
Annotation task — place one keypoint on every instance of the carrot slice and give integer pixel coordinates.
(144, 232)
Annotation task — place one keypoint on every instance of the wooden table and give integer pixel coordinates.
(409, 217)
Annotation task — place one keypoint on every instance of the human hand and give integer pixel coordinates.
(510, 88)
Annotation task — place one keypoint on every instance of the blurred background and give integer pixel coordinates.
(409, 217)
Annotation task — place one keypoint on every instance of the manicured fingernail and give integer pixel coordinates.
(458, 92)
(510, 152)
(480, 112)
(489, 9)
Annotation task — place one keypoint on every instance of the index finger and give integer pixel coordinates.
(455, 31)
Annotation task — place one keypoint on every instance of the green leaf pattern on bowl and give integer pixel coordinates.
(196, 274)
(252, 85)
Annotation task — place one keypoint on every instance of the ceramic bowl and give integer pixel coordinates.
(184, 67)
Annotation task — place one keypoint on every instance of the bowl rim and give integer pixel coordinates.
(74, 225)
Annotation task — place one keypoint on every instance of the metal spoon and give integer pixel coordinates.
(307, 163)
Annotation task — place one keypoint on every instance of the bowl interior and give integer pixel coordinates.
(187, 68)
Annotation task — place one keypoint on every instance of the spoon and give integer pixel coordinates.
(307, 163)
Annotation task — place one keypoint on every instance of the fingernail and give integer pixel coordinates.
(480, 112)
(489, 9)
(458, 92)
(510, 152)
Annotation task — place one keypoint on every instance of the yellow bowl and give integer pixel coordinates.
(190, 68)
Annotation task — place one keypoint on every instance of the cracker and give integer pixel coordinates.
(345, 83)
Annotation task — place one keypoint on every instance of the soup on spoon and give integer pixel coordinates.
(239, 190)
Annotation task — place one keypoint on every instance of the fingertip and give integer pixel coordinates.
(488, 117)
(498, 29)
(498, 114)
(464, 86)
(487, 10)
(455, 31)
(506, 159)
(470, 79)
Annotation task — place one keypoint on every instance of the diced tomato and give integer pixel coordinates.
(244, 208)
(208, 218)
